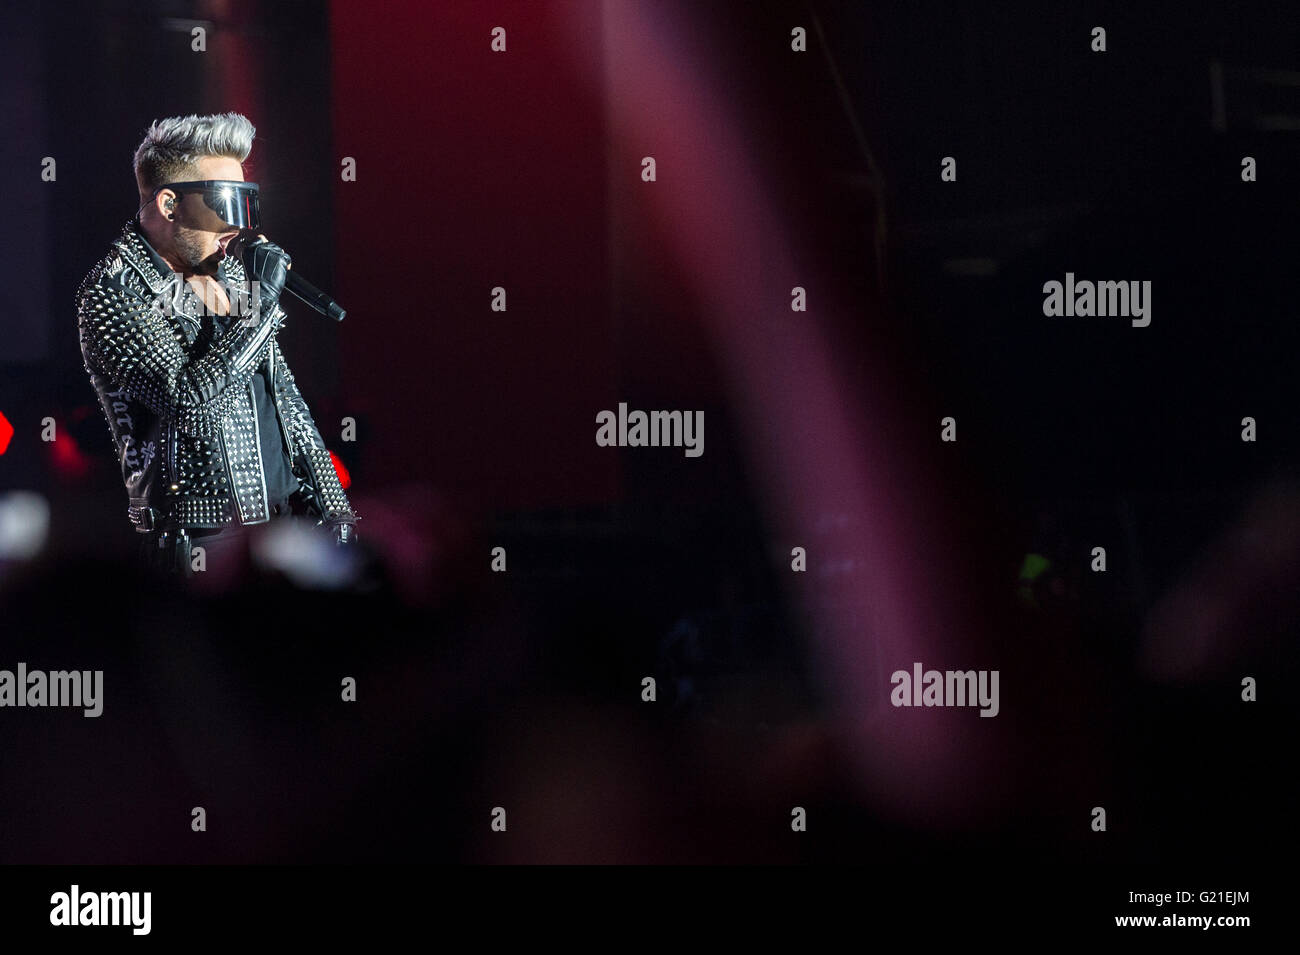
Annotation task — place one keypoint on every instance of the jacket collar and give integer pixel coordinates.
(137, 252)
(153, 268)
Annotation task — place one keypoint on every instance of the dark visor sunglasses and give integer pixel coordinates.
(234, 200)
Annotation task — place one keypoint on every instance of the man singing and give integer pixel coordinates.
(178, 328)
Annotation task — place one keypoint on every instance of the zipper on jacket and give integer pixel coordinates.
(275, 399)
(257, 451)
(170, 438)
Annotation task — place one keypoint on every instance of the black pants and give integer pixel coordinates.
(168, 550)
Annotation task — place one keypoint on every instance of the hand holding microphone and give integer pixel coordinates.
(269, 264)
(264, 263)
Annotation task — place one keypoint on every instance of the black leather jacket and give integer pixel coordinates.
(183, 420)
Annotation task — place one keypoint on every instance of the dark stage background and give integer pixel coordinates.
(475, 430)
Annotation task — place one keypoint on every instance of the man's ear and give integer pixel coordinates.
(166, 202)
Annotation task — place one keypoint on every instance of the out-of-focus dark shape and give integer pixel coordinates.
(1241, 595)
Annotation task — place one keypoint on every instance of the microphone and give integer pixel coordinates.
(293, 282)
(313, 296)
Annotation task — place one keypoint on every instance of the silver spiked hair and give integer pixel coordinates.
(172, 146)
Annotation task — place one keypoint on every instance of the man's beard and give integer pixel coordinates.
(190, 244)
